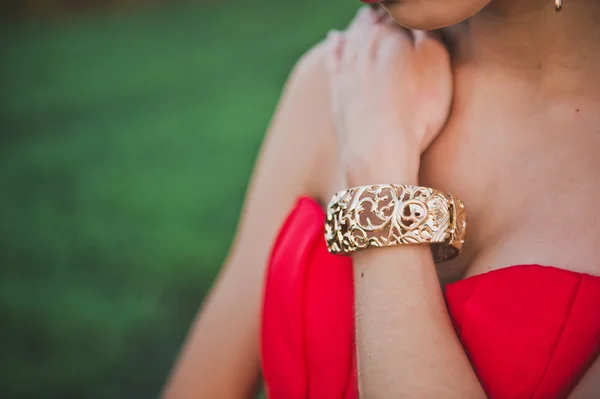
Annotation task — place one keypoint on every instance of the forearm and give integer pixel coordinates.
(406, 343)
(391, 94)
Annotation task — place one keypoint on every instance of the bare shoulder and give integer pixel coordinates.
(301, 134)
(296, 156)
(221, 355)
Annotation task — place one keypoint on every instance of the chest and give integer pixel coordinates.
(529, 181)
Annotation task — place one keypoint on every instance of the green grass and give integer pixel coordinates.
(127, 140)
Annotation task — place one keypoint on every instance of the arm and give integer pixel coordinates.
(220, 358)
(405, 340)
(406, 344)
(401, 81)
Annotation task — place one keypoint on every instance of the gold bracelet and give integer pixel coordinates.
(389, 214)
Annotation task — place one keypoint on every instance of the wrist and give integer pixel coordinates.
(388, 166)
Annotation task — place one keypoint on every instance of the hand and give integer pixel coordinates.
(391, 91)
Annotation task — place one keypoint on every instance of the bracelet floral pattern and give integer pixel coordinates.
(389, 214)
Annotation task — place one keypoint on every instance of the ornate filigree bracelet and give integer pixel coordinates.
(389, 214)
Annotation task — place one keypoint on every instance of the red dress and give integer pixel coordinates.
(530, 331)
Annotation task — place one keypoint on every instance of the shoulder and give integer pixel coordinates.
(294, 160)
(311, 65)
(303, 127)
(297, 157)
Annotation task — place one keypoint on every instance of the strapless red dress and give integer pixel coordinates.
(530, 331)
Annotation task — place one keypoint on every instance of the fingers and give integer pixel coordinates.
(342, 46)
(363, 36)
(366, 29)
(335, 48)
(358, 34)
(365, 17)
(373, 34)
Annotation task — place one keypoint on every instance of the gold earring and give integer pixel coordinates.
(558, 4)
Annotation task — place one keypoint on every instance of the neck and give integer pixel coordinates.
(557, 51)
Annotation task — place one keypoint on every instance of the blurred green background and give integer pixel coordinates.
(128, 135)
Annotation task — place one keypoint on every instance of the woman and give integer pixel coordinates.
(508, 126)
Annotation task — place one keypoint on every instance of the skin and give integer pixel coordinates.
(418, 86)
(521, 134)
(433, 14)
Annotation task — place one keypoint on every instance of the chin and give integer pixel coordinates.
(432, 14)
